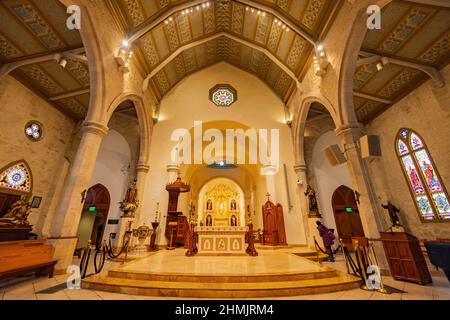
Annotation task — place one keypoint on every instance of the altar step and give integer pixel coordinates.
(222, 289)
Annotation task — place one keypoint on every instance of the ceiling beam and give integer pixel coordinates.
(370, 97)
(438, 3)
(71, 54)
(432, 72)
(160, 18)
(280, 16)
(148, 25)
(69, 94)
(215, 36)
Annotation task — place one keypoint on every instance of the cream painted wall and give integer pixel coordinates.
(421, 112)
(114, 156)
(18, 105)
(328, 178)
(257, 107)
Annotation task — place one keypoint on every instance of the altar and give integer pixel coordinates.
(217, 240)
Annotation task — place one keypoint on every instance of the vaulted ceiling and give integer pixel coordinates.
(170, 45)
(224, 30)
(411, 35)
(32, 29)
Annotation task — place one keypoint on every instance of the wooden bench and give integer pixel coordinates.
(24, 257)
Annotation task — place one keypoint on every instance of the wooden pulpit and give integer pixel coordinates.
(405, 257)
(274, 231)
(176, 225)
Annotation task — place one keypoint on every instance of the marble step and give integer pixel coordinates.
(221, 290)
(294, 276)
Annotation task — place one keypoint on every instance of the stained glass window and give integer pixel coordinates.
(429, 193)
(16, 177)
(223, 95)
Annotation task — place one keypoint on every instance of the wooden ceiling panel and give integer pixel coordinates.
(380, 78)
(60, 76)
(412, 35)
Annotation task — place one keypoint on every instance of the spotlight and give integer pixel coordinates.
(380, 66)
(125, 43)
(62, 62)
(320, 48)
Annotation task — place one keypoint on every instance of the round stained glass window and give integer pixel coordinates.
(223, 95)
(16, 177)
(33, 130)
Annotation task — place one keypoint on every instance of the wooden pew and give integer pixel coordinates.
(23, 257)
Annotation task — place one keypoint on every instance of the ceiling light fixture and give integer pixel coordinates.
(62, 62)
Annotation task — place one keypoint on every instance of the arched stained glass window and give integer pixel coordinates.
(426, 186)
(16, 178)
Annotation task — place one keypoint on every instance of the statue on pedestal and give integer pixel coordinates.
(130, 203)
(393, 210)
(312, 202)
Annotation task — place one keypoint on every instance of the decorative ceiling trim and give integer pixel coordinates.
(370, 97)
(160, 18)
(196, 43)
(69, 94)
(432, 72)
(438, 3)
(281, 16)
(148, 25)
(9, 67)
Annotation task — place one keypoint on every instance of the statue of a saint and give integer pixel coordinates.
(130, 203)
(18, 214)
(393, 210)
(130, 196)
(312, 201)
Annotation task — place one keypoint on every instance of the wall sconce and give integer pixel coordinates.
(124, 57)
(320, 61)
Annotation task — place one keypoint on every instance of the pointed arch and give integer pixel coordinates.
(425, 184)
(16, 178)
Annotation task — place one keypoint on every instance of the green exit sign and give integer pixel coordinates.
(92, 208)
(348, 210)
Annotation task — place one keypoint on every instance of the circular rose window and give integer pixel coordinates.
(223, 95)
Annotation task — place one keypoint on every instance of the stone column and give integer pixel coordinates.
(369, 212)
(67, 217)
(141, 176)
(309, 223)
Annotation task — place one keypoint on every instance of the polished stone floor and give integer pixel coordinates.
(55, 289)
(267, 263)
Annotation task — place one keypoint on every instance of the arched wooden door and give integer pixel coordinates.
(346, 214)
(94, 215)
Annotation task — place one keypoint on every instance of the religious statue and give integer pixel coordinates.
(209, 221)
(130, 203)
(233, 205)
(18, 214)
(393, 210)
(312, 201)
(233, 221)
(209, 205)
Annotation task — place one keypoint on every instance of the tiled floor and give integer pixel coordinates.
(35, 289)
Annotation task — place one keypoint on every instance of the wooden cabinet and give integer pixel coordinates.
(405, 257)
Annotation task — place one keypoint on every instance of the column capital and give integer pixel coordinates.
(348, 129)
(173, 168)
(142, 167)
(95, 128)
(300, 168)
